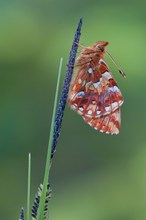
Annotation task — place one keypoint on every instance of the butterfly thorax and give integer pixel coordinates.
(92, 54)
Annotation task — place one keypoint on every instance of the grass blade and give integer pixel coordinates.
(48, 161)
(28, 187)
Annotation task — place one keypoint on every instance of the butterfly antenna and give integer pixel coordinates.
(120, 70)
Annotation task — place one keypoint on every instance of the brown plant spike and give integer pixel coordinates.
(93, 92)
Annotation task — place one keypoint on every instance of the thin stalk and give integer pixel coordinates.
(28, 187)
(65, 88)
(48, 161)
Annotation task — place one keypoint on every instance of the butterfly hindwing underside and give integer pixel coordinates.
(94, 93)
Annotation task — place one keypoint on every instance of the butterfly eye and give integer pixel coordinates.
(100, 48)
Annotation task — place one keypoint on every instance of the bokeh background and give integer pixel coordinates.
(94, 176)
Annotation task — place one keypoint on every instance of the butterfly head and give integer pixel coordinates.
(100, 46)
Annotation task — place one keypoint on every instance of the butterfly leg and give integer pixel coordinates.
(80, 45)
(70, 65)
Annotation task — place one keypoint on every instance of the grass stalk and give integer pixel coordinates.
(28, 187)
(48, 160)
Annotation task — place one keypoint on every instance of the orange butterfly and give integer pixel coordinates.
(93, 92)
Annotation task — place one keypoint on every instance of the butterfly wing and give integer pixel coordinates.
(110, 124)
(95, 95)
(94, 92)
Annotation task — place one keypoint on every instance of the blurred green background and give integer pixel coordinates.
(94, 176)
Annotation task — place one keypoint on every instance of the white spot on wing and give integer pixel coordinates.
(81, 109)
(79, 81)
(102, 61)
(80, 94)
(90, 112)
(90, 70)
(114, 105)
(97, 83)
(111, 89)
(98, 112)
(116, 89)
(107, 75)
(107, 108)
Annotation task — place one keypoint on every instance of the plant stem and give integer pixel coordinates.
(57, 118)
(48, 161)
(65, 89)
(28, 189)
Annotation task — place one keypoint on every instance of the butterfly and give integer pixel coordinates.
(93, 92)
